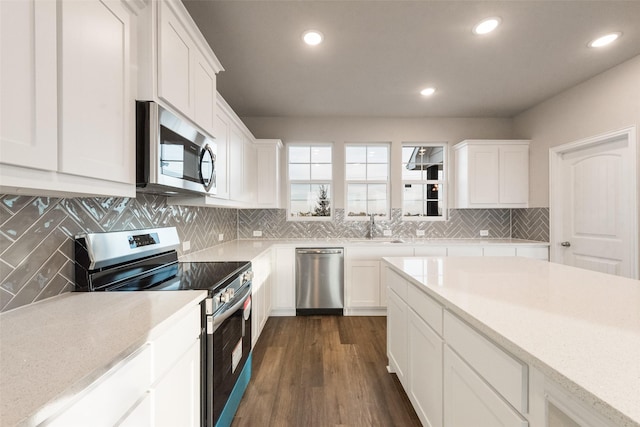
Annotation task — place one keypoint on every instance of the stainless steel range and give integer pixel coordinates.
(146, 260)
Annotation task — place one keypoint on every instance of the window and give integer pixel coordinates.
(367, 180)
(423, 181)
(309, 181)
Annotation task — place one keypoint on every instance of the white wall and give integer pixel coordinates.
(607, 102)
(357, 129)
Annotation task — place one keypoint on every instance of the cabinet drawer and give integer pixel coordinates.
(121, 387)
(464, 251)
(536, 253)
(425, 307)
(397, 283)
(508, 375)
(469, 401)
(174, 342)
(499, 251)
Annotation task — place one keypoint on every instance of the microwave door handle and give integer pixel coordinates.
(217, 320)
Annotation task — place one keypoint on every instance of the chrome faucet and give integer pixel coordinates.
(372, 225)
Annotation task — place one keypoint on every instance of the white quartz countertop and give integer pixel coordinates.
(246, 250)
(51, 350)
(578, 327)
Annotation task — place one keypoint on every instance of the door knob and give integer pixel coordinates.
(565, 244)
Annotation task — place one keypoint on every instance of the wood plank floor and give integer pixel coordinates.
(323, 371)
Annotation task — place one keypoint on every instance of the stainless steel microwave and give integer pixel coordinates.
(172, 155)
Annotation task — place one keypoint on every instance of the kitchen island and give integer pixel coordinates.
(544, 338)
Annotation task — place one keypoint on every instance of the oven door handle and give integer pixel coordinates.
(216, 320)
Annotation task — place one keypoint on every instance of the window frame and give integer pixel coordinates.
(310, 181)
(387, 216)
(442, 183)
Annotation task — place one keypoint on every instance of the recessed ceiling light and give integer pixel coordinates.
(605, 40)
(487, 25)
(427, 91)
(312, 37)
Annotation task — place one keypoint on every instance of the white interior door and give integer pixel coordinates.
(594, 188)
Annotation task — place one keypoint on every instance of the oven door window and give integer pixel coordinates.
(179, 157)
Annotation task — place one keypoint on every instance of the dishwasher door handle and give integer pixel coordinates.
(318, 251)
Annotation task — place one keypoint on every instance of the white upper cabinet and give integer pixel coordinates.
(177, 65)
(28, 121)
(268, 173)
(492, 174)
(96, 110)
(68, 83)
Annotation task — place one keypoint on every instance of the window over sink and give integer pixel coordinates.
(367, 180)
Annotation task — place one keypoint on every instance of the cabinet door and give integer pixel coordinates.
(397, 336)
(364, 283)
(514, 175)
(28, 82)
(236, 163)
(425, 371)
(221, 133)
(96, 117)
(484, 176)
(268, 170)
(176, 57)
(177, 394)
(204, 82)
(469, 401)
(283, 302)
(249, 175)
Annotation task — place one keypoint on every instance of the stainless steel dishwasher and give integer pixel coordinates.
(319, 281)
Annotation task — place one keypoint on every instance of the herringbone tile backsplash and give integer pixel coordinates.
(462, 224)
(36, 233)
(36, 236)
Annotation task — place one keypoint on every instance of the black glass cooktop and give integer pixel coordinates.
(187, 276)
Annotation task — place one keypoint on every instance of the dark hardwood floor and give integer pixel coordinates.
(323, 371)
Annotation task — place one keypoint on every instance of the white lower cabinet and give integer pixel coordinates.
(397, 336)
(425, 371)
(157, 385)
(261, 295)
(176, 395)
(284, 292)
(469, 401)
(365, 287)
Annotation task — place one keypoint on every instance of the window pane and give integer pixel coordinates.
(378, 154)
(320, 171)
(357, 192)
(356, 171)
(378, 192)
(299, 172)
(321, 154)
(413, 192)
(412, 208)
(299, 154)
(356, 154)
(356, 208)
(378, 172)
(300, 192)
(434, 209)
(432, 192)
(378, 207)
(320, 200)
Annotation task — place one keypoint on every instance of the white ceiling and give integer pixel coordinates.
(377, 55)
